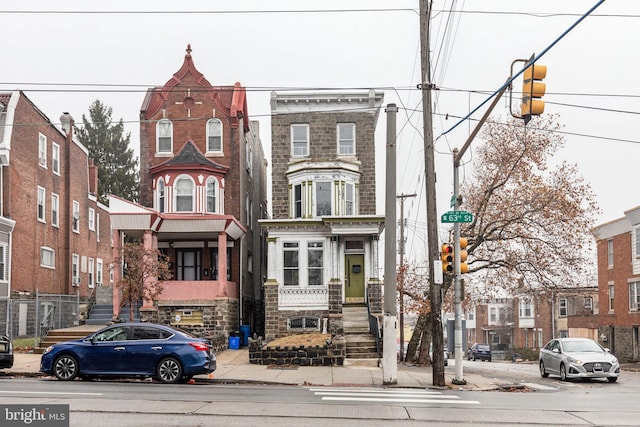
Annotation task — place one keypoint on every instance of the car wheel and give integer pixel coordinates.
(563, 372)
(169, 370)
(543, 371)
(612, 379)
(65, 368)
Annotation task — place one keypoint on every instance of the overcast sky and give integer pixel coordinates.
(64, 61)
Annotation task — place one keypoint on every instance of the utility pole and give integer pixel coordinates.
(430, 188)
(402, 197)
(389, 358)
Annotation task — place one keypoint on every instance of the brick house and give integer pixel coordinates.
(323, 237)
(202, 192)
(618, 248)
(54, 234)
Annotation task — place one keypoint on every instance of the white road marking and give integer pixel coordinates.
(539, 386)
(51, 392)
(389, 395)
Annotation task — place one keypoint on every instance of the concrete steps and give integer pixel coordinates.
(68, 334)
(361, 345)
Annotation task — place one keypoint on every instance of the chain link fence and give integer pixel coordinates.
(34, 316)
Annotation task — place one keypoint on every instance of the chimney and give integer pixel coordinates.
(93, 178)
(66, 121)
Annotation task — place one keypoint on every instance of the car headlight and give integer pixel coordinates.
(614, 359)
(48, 349)
(576, 361)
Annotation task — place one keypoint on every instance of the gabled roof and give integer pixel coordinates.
(229, 99)
(190, 156)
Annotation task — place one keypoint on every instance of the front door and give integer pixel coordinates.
(354, 278)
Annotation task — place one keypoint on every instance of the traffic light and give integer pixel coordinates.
(532, 91)
(447, 258)
(464, 268)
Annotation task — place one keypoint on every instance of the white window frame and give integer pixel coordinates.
(248, 156)
(161, 191)
(42, 150)
(92, 219)
(42, 205)
(299, 145)
(47, 257)
(212, 132)
(179, 196)
(161, 127)
(75, 270)
(55, 158)
(99, 267)
(346, 146)
(97, 227)
(610, 253)
(211, 190)
(636, 246)
(290, 247)
(75, 217)
(55, 210)
(315, 246)
(524, 306)
(563, 307)
(91, 273)
(634, 295)
(4, 262)
(316, 205)
(588, 303)
(611, 294)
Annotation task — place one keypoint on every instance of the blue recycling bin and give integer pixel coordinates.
(245, 331)
(234, 343)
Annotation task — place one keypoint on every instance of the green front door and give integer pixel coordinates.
(354, 278)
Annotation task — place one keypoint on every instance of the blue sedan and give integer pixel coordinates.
(131, 349)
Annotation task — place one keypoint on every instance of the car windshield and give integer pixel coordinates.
(483, 347)
(581, 346)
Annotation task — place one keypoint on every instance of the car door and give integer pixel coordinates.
(148, 345)
(107, 353)
(553, 357)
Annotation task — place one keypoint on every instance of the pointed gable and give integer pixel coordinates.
(190, 157)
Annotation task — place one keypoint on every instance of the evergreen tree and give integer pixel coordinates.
(108, 146)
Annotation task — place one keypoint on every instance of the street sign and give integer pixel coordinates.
(457, 216)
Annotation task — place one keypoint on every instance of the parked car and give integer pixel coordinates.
(479, 352)
(578, 358)
(131, 349)
(6, 352)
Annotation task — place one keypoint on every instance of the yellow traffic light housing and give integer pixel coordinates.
(447, 258)
(464, 268)
(532, 90)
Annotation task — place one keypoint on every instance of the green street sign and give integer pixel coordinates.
(457, 216)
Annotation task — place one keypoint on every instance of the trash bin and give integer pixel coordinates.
(245, 331)
(234, 341)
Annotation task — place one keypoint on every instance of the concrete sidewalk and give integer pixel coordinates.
(233, 367)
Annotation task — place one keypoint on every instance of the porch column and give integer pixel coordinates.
(148, 240)
(272, 266)
(335, 261)
(222, 265)
(374, 273)
(116, 237)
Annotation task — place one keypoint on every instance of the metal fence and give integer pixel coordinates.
(34, 316)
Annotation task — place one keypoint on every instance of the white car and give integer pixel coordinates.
(577, 358)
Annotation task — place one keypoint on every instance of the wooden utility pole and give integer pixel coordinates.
(437, 356)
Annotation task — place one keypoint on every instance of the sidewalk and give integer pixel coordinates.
(233, 367)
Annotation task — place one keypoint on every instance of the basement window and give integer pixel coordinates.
(303, 324)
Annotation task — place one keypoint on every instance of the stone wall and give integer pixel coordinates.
(331, 354)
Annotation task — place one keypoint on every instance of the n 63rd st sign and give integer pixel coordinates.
(457, 216)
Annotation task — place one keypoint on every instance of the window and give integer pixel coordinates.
(55, 158)
(526, 308)
(75, 270)
(214, 263)
(92, 219)
(349, 197)
(4, 274)
(42, 150)
(637, 242)
(248, 208)
(562, 307)
(47, 257)
(55, 209)
(297, 201)
(493, 315)
(185, 189)
(634, 296)
(299, 140)
(249, 155)
(314, 263)
(214, 136)
(290, 262)
(164, 130)
(41, 195)
(588, 303)
(97, 227)
(91, 273)
(99, 265)
(211, 194)
(76, 217)
(323, 198)
(189, 265)
(611, 294)
(471, 315)
(346, 139)
(610, 253)
(161, 195)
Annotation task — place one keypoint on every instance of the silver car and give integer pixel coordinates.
(577, 358)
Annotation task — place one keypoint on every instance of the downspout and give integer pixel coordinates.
(240, 285)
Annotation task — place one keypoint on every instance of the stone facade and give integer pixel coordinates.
(332, 354)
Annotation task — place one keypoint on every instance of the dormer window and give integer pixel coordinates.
(214, 136)
(164, 132)
(185, 194)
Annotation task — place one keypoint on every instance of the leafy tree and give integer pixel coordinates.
(144, 269)
(109, 148)
(532, 220)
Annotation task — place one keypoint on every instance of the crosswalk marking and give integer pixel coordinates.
(388, 395)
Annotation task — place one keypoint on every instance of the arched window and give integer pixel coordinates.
(214, 136)
(161, 195)
(185, 194)
(164, 132)
(212, 195)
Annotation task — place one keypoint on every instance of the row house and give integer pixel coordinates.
(323, 237)
(202, 192)
(54, 234)
(618, 248)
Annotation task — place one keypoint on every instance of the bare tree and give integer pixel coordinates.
(143, 272)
